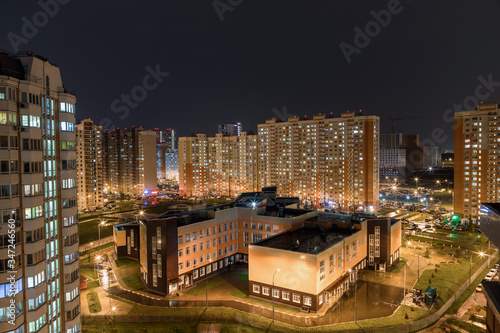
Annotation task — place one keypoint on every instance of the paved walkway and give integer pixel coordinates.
(92, 245)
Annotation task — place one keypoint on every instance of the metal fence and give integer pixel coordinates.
(221, 314)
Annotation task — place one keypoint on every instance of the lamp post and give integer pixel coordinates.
(272, 291)
(470, 267)
(99, 227)
(103, 325)
(394, 188)
(418, 266)
(206, 285)
(355, 295)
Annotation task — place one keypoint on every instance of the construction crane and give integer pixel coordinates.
(393, 121)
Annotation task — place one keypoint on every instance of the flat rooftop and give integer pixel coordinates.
(284, 212)
(309, 240)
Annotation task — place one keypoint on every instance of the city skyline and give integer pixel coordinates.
(293, 63)
(247, 165)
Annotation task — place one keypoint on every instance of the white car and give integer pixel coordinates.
(489, 276)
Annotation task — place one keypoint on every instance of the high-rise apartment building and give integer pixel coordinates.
(167, 157)
(323, 160)
(129, 161)
(219, 166)
(89, 164)
(477, 156)
(230, 129)
(392, 165)
(39, 269)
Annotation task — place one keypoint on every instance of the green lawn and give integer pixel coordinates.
(449, 277)
(133, 281)
(384, 211)
(468, 292)
(399, 266)
(89, 232)
(243, 277)
(89, 274)
(185, 327)
(124, 262)
(93, 284)
(466, 326)
(93, 301)
(202, 287)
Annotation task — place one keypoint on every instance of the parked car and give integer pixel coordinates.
(479, 288)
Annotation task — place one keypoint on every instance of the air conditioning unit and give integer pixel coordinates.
(23, 105)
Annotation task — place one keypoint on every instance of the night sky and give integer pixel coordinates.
(267, 55)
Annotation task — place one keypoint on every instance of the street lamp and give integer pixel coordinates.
(395, 199)
(103, 325)
(272, 291)
(206, 285)
(99, 227)
(355, 294)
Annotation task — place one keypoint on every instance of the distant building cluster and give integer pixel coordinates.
(324, 161)
(401, 155)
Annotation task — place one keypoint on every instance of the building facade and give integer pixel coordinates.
(39, 267)
(217, 166)
(324, 161)
(319, 255)
(90, 181)
(167, 154)
(231, 129)
(129, 166)
(392, 165)
(490, 226)
(477, 154)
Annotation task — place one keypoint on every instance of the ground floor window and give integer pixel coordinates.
(195, 274)
(265, 291)
(296, 298)
(285, 295)
(256, 289)
(307, 300)
(202, 271)
(209, 269)
(320, 299)
(214, 265)
(276, 293)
